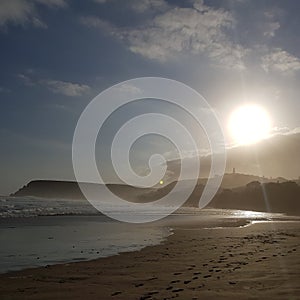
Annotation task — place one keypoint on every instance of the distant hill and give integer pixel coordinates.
(273, 157)
(50, 189)
(71, 190)
(276, 156)
(266, 197)
(263, 195)
(233, 180)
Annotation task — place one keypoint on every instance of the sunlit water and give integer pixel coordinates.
(36, 232)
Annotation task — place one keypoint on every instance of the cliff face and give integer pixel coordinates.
(51, 189)
(268, 197)
(273, 197)
(71, 190)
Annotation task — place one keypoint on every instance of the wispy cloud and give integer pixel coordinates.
(280, 130)
(145, 5)
(66, 88)
(128, 89)
(294, 131)
(199, 30)
(94, 22)
(280, 61)
(271, 23)
(284, 131)
(26, 79)
(270, 28)
(21, 12)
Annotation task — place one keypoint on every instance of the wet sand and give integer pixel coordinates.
(260, 261)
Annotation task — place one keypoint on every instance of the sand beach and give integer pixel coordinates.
(258, 261)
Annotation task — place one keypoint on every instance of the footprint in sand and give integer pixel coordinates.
(138, 284)
(175, 281)
(116, 293)
(152, 293)
(151, 278)
(177, 290)
(148, 295)
(145, 297)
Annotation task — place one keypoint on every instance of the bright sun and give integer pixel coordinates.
(249, 124)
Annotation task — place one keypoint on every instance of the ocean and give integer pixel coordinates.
(39, 232)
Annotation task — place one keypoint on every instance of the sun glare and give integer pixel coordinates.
(249, 124)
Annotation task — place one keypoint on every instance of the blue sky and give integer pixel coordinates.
(56, 55)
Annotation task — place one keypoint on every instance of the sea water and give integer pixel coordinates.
(38, 232)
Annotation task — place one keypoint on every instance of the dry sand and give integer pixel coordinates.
(260, 261)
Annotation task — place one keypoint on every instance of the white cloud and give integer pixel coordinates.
(270, 28)
(128, 89)
(280, 130)
(284, 131)
(270, 23)
(280, 61)
(200, 29)
(95, 22)
(16, 11)
(57, 86)
(294, 131)
(21, 12)
(66, 88)
(26, 79)
(144, 5)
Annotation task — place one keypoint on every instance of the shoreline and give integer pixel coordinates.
(260, 261)
(48, 240)
(39, 241)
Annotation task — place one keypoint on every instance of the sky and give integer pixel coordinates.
(57, 55)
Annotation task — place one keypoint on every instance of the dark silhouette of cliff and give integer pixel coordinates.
(276, 197)
(50, 189)
(266, 197)
(71, 190)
